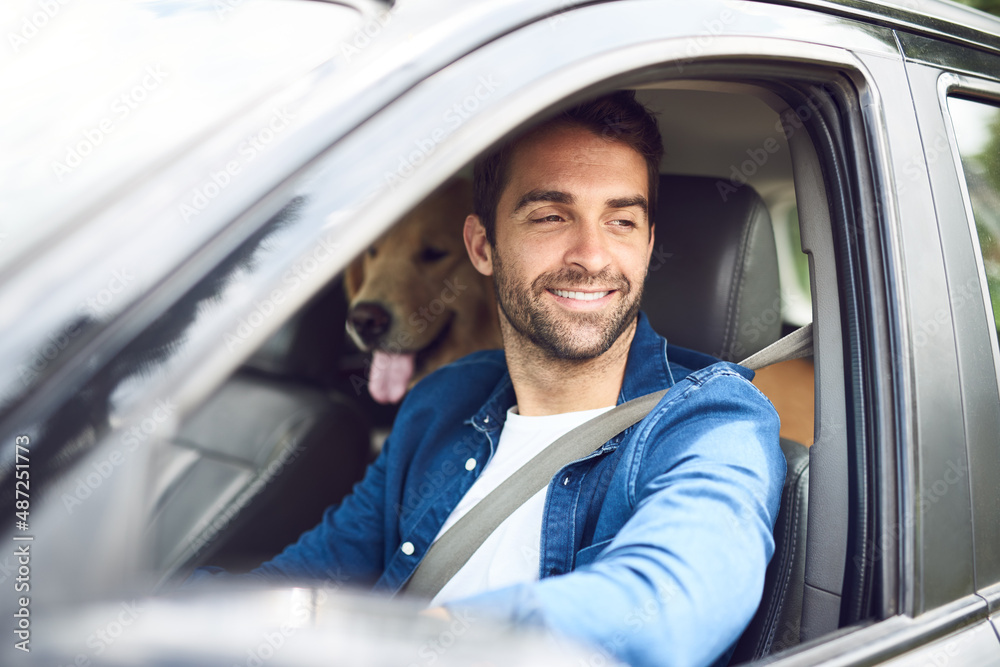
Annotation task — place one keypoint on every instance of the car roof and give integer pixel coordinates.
(100, 92)
(934, 18)
(421, 37)
(49, 96)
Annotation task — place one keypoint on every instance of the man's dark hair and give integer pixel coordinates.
(617, 116)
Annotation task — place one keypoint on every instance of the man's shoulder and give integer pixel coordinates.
(476, 367)
(464, 384)
(712, 405)
(722, 388)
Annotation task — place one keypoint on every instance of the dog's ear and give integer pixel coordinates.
(353, 277)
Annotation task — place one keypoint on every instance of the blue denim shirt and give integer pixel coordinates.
(653, 547)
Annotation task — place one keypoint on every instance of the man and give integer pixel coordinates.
(652, 548)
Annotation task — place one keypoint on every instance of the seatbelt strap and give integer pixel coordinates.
(449, 553)
(795, 345)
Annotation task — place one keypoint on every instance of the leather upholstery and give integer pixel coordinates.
(309, 346)
(713, 287)
(294, 451)
(713, 279)
(775, 626)
(258, 463)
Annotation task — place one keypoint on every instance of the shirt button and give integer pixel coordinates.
(407, 548)
(486, 419)
(565, 480)
(470, 464)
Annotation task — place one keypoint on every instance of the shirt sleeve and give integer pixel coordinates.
(683, 577)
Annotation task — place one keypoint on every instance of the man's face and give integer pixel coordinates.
(572, 241)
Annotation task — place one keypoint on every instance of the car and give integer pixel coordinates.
(184, 184)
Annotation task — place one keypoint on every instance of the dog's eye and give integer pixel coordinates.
(371, 251)
(432, 254)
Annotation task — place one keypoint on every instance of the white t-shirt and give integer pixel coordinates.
(510, 554)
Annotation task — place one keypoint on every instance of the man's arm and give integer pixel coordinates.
(347, 545)
(683, 577)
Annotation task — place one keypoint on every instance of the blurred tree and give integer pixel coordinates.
(990, 6)
(989, 158)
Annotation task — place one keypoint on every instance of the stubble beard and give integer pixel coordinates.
(569, 336)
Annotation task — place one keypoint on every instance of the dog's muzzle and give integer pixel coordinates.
(368, 322)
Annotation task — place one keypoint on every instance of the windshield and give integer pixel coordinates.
(96, 92)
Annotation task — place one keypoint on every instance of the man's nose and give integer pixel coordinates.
(588, 246)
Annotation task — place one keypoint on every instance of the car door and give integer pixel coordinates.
(873, 566)
(956, 94)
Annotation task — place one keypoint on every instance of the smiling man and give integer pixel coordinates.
(568, 258)
(653, 547)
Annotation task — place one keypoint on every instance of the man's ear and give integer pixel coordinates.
(652, 240)
(477, 245)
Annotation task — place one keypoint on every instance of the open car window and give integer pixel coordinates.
(228, 395)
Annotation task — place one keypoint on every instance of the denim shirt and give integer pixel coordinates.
(653, 547)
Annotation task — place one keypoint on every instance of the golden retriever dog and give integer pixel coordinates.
(415, 300)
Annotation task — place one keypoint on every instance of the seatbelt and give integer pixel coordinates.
(795, 345)
(452, 550)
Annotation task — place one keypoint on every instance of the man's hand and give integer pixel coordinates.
(437, 612)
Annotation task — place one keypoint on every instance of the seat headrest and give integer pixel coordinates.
(713, 278)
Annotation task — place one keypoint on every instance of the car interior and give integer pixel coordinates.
(745, 253)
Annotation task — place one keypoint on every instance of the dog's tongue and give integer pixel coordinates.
(389, 375)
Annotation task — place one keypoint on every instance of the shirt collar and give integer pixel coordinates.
(652, 365)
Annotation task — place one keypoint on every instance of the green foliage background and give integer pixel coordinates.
(989, 164)
(991, 6)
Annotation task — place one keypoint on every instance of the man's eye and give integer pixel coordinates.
(547, 218)
(371, 251)
(623, 223)
(432, 254)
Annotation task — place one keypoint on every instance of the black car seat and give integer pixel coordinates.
(257, 464)
(714, 271)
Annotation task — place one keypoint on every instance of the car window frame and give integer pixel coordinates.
(938, 71)
(438, 166)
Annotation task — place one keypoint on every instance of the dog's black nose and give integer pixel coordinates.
(369, 320)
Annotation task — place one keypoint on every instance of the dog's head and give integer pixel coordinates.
(416, 301)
